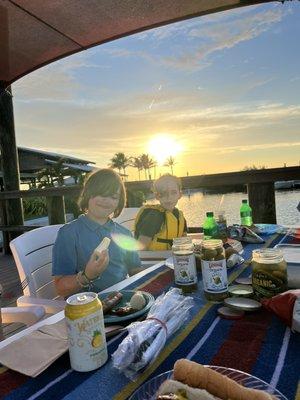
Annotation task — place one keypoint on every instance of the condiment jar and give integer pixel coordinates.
(269, 275)
(184, 264)
(214, 270)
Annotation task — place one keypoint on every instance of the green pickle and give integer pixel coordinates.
(214, 270)
(269, 273)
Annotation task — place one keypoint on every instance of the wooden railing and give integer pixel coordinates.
(260, 188)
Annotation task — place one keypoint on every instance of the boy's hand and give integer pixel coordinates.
(97, 264)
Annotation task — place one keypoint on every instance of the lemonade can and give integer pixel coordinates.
(86, 334)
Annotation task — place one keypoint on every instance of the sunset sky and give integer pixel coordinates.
(219, 92)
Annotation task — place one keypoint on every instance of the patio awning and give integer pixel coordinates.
(34, 33)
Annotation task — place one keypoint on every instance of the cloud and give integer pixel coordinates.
(223, 35)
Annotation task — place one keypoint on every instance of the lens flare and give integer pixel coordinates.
(126, 242)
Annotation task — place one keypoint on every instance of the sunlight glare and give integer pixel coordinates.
(163, 146)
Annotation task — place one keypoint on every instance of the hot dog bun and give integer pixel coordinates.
(198, 376)
(183, 391)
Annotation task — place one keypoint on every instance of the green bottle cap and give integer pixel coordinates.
(209, 214)
(245, 201)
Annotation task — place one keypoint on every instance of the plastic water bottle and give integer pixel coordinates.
(210, 227)
(246, 213)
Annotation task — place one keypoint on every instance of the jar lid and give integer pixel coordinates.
(242, 303)
(247, 280)
(230, 313)
(240, 290)
(212, 243)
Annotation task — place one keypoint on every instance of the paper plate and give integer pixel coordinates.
(127, 294)
(148, 390)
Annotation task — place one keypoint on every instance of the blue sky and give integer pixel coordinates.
(225, 88)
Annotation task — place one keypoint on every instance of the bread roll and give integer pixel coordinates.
(198, 376)
(171, 386)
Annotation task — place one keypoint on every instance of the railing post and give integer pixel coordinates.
(262, 201)
(56, 210)
(3, 221)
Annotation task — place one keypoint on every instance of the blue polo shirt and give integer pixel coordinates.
(76, 242)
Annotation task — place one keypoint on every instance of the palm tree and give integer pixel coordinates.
(170, 162)
(136, 162)
(120, 162)
(147, 163)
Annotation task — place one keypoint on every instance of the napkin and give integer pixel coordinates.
(33, 353)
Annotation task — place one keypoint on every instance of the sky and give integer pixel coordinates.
(218, 93)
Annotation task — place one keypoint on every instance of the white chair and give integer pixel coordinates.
(127, 217)
(32, 253)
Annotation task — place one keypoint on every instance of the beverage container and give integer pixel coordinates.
(246, 213)
(85, 325)
(222, 226)
(269, 272)
(184, 264)
(214, 270)
(210, 227)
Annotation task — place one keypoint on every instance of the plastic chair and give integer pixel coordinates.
(32, 253)
(127, 217)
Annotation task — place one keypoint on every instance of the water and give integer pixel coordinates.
(195, 206)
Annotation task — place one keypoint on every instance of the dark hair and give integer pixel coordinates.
(104, 182)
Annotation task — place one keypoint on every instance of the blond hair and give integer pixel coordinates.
(162, 178)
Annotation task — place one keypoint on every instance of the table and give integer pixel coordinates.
(259, 344)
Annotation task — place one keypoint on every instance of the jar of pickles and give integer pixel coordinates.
(184, 264)
(269, 275)
(214, 271)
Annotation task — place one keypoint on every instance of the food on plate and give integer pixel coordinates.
(121, 311)
(174, 390)
(197, 376)
(111, 301)
(138, 301)
(103, 245)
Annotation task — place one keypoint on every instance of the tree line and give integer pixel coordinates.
(142, 163)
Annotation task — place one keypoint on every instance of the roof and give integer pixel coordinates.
(55, 156)
(34, 33)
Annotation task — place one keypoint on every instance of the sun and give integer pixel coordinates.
(163, 146)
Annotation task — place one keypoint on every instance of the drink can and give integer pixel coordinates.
(86, 334)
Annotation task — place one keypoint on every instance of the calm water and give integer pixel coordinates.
(195, 206)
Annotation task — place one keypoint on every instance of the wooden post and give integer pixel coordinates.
(56, 210)
(262, 201)
(10, 162)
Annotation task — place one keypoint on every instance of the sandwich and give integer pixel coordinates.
(193, 381)
(103, 245)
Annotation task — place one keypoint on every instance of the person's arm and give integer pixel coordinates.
(67, 279)
(67, 285)
(144, 241)
(149, 224)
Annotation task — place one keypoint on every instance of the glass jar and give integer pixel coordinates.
(214, 271)
(197, 251)
(269, 272)
(184, 264)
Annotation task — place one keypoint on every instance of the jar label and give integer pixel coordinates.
(185, 269)
(269, 284)
(214, 276)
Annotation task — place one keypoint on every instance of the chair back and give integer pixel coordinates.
(127, 217)
(32, 253)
